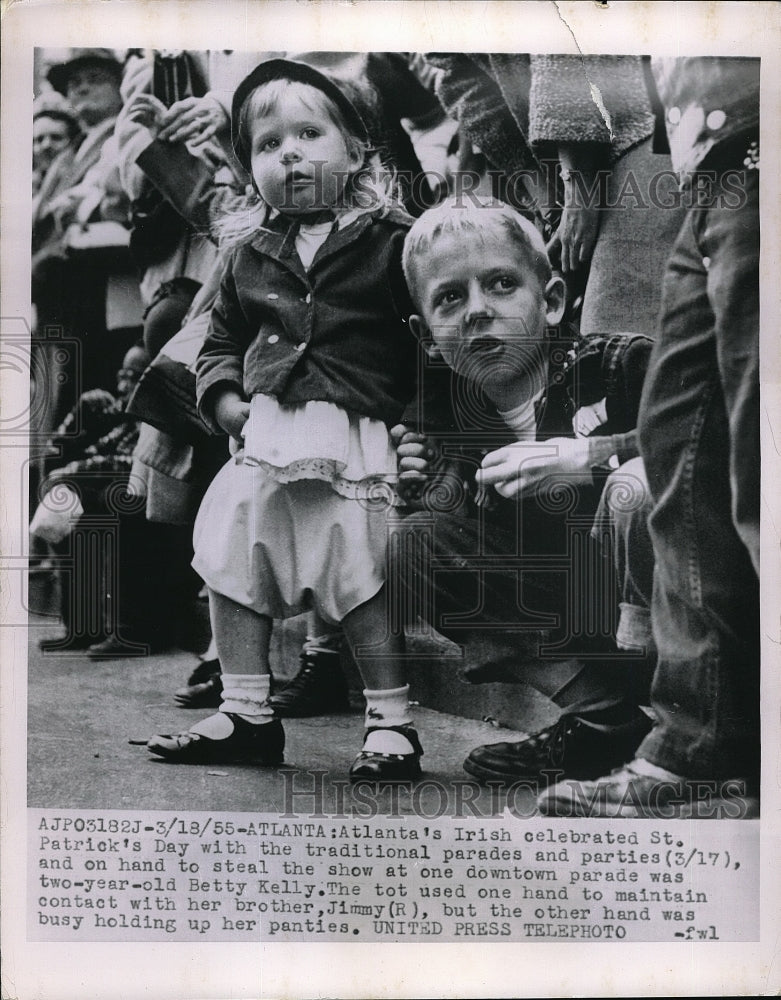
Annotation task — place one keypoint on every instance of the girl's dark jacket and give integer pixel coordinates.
(336, 332)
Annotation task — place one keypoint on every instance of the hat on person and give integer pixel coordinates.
(51, 104)
(59, 75)
(297, 72)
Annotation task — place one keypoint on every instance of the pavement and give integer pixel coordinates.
(88, 721)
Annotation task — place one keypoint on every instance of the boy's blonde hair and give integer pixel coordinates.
(457, 215)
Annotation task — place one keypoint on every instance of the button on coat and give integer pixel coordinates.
(336, 332)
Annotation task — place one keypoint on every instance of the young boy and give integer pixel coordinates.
(504, 548)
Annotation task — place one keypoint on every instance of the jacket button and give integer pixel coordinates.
(674, 116)
(273, 338)
(715, 120)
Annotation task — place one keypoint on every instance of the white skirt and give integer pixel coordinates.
(298, 520)
(318, 440)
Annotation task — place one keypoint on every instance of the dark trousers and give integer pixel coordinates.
(621, 529)
(699, 435)
(538, 590)
(122, 575)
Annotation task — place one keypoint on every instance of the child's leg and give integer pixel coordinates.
(242, 636)
(391, 750)
(378, 651)
(245, 726)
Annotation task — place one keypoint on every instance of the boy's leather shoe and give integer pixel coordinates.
(319, 687)
(641, 790)
(576, 745)
(248, 743)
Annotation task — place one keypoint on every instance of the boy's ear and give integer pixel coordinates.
(417, 326)
(555, 300)
(422, 334)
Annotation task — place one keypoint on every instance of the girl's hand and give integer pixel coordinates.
(146, 110)
(194, 120)
(519, 469)
(231, 412)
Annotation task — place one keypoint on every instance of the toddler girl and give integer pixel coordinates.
(307, 362)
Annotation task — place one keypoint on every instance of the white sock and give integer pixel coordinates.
(247, 695)
(389, 707)
(329, 642)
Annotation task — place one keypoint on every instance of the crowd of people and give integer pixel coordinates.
(408, 341)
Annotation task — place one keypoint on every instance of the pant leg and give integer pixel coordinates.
(463, 579)
(621, 528)
(730, 240)
(149, 584)
(636, 236)
(536, 605)
(699, 439)
(82, 602)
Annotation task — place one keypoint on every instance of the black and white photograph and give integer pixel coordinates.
(390, 547)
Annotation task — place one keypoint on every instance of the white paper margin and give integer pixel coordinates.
(34, 971)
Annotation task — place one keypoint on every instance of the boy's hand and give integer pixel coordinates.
(397, 432)
(231, 412)
(589, 417)
(417, 455)
(519, 469)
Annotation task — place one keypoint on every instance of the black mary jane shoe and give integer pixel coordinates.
(248, 744)
(382, 768)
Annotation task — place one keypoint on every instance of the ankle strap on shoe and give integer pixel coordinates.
(406, 731)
